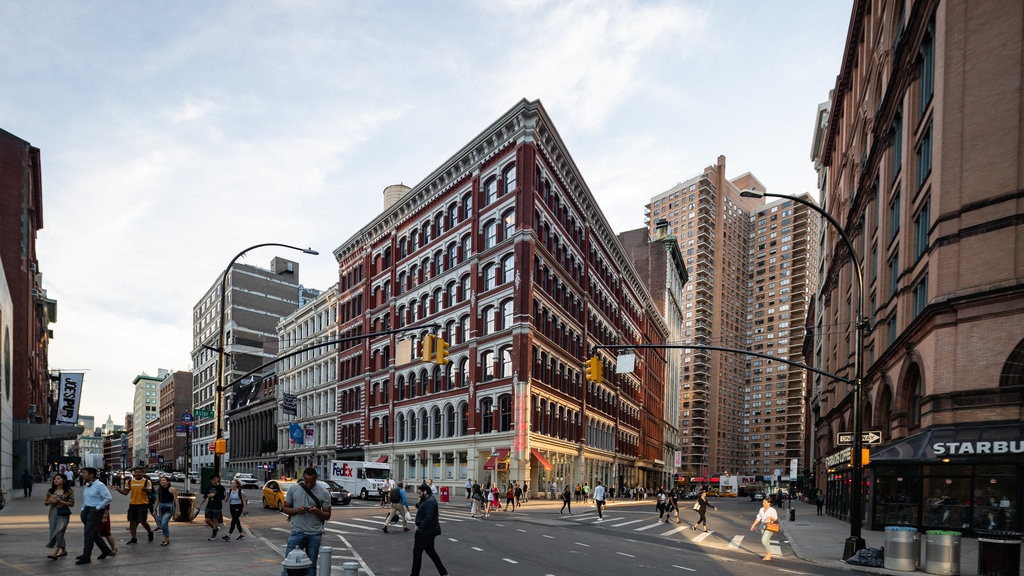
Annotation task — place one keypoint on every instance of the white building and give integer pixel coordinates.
(146, 408)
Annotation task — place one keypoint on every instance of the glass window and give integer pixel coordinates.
(490, 276)
(509, 177)
(490, 234)
(894, 215)
(508, 221)
(487, 415)
(924, 156)
(487, 365)
(490, 192)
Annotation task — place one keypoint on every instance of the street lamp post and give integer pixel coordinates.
(221, 385)
(855, 542)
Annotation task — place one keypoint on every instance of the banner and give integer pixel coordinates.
(289, 404)
(310, 435)
(296, 435)
(69, 396)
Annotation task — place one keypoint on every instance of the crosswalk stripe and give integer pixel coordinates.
(642, 528)
(736, 541)
(702, 537)
(674, 530)
(627, 523)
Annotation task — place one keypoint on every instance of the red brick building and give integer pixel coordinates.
(504, 252)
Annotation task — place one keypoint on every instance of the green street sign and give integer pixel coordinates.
(203, 413)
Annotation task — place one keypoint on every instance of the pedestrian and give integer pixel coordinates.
(673, 503)
(26, 483)
(60, 498)
(139, 488)
(495, 497)
(586, 492)
(566, 500)
(819, 502)
(478, 501)
(399, 507)
(578, 492)
(510, 497)
(526, 492)
(214, 499)
(599, 499)
(433, 488)
(469, 489)
(238, 504)
(166, 505)
(308, 504)
(661, 504)
(95, 497)
(105, 531)
(553, 489)
(518, 493)
(767, 517)
(428, 528)
(701, 506)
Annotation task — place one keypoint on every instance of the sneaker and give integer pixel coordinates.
(151, 534)
(385, 529)
(211, 538)
(240, 537)
(226, 538)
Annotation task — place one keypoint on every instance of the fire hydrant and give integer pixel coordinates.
(296, 563)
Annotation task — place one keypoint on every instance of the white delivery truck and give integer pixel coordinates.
(363, 479)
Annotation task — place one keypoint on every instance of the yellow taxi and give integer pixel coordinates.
(274, 492)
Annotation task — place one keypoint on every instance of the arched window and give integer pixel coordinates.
(453, 254)
(453, 214)
(450, 423)
(487, 365)
(505, 367)
(451, 294)
(463, 377)
(487, 415)
(435, 416)
(424, 425)
(412, 427)
(490, 234)
(914, 395)
(490, 276)
(490, 191)
(508, 177)
(463, 329)
(487, 320)
(400, 428)
(463, 419)
(505, 413)
(466, 246)
(506, 314)
(508, 269)
(464, 288)
(467, 205)
(400, 384)
(508, 224)
(1013, 369)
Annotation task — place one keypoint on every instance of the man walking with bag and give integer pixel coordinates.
(95, 499)
(308, 505)
(428, 528)
(399, 507)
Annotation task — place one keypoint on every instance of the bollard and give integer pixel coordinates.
(323, 560)
(350, 568)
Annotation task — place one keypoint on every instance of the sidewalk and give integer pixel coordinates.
(24, 530)
(821, 540)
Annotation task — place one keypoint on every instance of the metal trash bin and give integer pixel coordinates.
(942, 552)
(186, 503)
(902, 548)
(998, 553)
(792, 514)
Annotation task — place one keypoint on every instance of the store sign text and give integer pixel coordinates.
(979, 447)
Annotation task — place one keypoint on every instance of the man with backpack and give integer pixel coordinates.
(139, 503)
(399, 507)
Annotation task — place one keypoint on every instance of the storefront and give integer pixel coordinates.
(964, 478)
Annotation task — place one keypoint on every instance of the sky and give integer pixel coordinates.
(175, 134)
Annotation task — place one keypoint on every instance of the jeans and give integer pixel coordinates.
(308, 542)
(236, 515)
(164, 513)
(766, 540)
(600, 508)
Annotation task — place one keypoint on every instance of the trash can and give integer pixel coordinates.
(998, 553)
(902, 548)
(942, 552)
(186, 503)
(792, 514)
(445, 497)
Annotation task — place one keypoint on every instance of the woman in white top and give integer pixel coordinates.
(765, 515)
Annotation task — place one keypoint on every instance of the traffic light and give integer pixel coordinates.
(427, 348)
(441, 358)
(220, 446)
(594, 368)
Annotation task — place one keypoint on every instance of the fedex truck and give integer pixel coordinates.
(361, 478)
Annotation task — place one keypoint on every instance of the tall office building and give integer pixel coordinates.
(748, 287)
(146, 407)
(504, 252)
(921, 164)
(255, 301)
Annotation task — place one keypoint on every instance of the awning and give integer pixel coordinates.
(500, 455)
(1004, 442)
(382, 458)
(543, 461)
(31, 432)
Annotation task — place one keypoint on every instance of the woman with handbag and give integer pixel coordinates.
(60, 498)
(701, 506)
(768, 517)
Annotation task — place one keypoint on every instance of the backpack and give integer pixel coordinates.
(152, 492)
(395, 497)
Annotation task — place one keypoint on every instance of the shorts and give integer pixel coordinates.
(215, 514)
(138, 512)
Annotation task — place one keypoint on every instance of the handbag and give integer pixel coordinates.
(696, 505)
(772, 526)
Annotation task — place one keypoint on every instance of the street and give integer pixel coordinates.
(532, 540)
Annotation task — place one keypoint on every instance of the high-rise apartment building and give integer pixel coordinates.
(748, 287)
(922, 165)
(503, 251)
(255, 301)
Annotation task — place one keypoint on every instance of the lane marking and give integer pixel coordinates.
(683, 568)
(702, 537)
(477, 549)
(627, 523)
(624, 554)
(510, 561)
(582, 544)
(546, 536)
(736, 542)
(674, 530)
(642, 528)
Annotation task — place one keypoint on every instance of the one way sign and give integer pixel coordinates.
(872, 437)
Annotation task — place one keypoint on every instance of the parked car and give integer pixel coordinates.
(274, 492)
(154, 477)
(339, 495)
(756, 496)
(178, 476)
(247, 480)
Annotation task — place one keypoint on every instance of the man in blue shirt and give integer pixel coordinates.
(95, 498)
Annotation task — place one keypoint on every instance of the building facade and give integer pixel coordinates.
(923, 169)
(146, 408)
(175, 399)
(254, 415)
(255, 300)
(740, 414)
(502, 251)
(310, 375)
